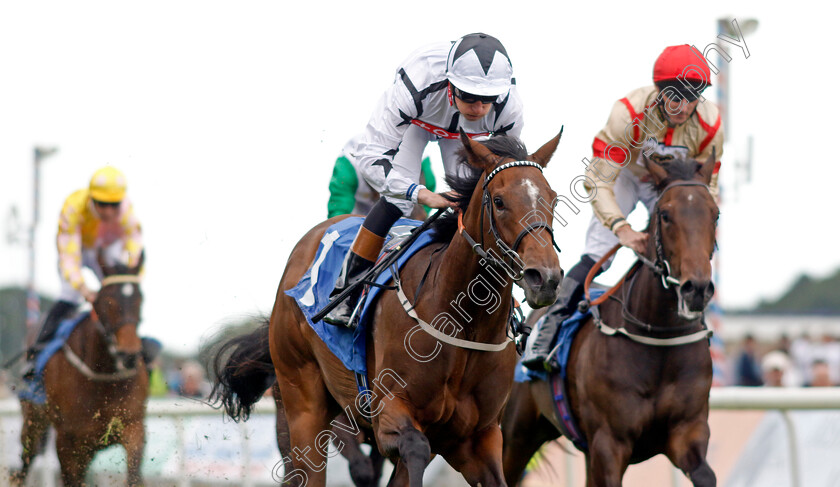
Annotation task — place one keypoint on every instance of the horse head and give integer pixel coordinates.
(683, 229)
(514, 208)
(118, 308)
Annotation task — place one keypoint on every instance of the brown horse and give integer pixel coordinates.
(633, 400)
(427, 398)
(96, 387)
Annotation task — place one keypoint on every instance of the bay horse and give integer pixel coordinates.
(96, 385)
(427, 398)
(634, 400)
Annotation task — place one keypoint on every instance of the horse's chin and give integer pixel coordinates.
(539, 299)
(685, 312)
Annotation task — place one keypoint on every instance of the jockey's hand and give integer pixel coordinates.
(632, 239)
(433, 200)
(90, 296)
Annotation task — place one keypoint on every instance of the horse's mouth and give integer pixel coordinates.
(684, 311)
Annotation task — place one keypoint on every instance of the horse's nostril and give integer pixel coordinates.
(533, 277)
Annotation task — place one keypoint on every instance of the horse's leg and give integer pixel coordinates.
(480, 459)
(377, 461)
(397, 434)
(305, 401)
(525, 430)
(687, 447)
(361, 466)
(74, 455)
(33, 437)
(133, 440)
(607, 460)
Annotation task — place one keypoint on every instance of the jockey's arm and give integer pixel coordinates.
(69, 243)
(132, 235)
(608, 160)
(381, 140)
(343, 185)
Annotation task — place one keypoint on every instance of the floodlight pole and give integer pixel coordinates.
(33, 302)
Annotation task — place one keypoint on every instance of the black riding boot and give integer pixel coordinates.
(59, 311)
(537, 350)
(354, 268)
(536, 356)
(363, 253)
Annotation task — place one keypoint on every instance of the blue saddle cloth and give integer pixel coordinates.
(565, 336)
(33, 389)
(313, 290)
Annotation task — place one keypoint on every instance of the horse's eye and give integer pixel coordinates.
(497, 201)
(666, 217)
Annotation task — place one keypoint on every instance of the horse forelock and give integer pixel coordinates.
(678, 170)
(505, 147)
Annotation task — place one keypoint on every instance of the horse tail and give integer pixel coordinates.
(242, 371)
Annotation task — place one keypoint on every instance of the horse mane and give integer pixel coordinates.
(678, 170)
(464, 186)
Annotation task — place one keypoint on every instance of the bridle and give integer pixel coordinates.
(122, 372)
(661, 266)
(507, 251)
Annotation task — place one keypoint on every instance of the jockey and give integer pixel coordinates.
(351, 194)
(99, 217)
(438, 91)
(670, 119)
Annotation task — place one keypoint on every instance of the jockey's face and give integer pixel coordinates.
(472, 107)
(677, 111)
(108, 212)
(473, 111)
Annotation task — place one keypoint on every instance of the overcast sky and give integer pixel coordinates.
(226, 118)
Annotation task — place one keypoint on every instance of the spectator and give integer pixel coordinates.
(193, 383)
(747, 369)
(820, 374)
(775, 366)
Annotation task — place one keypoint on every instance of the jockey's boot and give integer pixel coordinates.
(538, 349)
(363, 253)
(355, 266)
(59, 311)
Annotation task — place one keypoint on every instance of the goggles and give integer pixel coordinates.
(105, 204)
(470, 98)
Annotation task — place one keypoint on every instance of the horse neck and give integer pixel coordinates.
(90, 346)
(462, 273)
(648, 299)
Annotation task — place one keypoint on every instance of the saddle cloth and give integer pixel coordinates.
(33, 388)
(313, 290)
(565, 336)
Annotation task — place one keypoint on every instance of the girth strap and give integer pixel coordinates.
(457, 342)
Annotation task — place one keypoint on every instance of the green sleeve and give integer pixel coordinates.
(428, 178)
(343, 184)
(428, 174)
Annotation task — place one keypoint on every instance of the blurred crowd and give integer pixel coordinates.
(803, 361)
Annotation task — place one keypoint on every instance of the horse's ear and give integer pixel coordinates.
(655, 169)
(544, 153)
(100, 259)
(708, 167)
(477, 155)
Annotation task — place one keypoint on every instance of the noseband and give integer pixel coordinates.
(661, 267)
(111, 343)
(507, 251)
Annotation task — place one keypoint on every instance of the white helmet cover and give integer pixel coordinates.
(478, 64)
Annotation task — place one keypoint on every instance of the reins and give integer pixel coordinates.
(662, 269)
(121, 373)
(487, 255)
